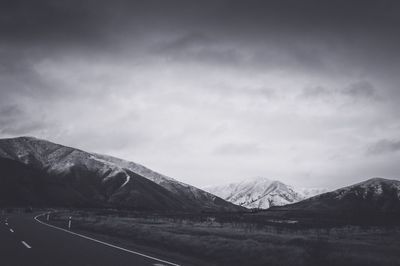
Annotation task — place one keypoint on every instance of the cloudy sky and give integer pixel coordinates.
(209, 92)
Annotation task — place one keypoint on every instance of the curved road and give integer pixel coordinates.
(26, 241)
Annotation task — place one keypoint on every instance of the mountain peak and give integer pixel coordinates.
(24, 138)
(379, 180)
(261, 192)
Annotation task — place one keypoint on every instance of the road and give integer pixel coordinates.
(26, 241)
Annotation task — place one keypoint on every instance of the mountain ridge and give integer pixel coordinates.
(372, 195)
(99, 175)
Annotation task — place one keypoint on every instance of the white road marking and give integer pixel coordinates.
(25, 244)
(104, 243)
(12, 231)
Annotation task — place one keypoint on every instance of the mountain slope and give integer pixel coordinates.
(374, 195)
(184, 190)
(71, 177)
(261, 193)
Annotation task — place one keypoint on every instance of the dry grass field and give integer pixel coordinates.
(208, 241)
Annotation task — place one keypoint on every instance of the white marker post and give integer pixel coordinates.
(48, 216)
(69, 223)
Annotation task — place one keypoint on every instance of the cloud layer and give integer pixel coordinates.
(210, 91)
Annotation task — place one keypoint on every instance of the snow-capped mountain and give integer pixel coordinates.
(261, 193)
(41, 171)
(376, 194)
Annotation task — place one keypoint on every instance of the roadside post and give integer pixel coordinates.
(48, 216)
(69, 223)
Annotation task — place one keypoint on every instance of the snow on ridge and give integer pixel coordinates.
(101, 160)
(167, 182)
(373, 185)
(126, 181)
(116, 168)
(260, 192)
(138, 169)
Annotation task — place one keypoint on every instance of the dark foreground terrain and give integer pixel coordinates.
(25, 240)
(240, 239)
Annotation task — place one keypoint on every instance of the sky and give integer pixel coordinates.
(210, 92)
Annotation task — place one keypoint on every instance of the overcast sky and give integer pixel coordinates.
(209, 92)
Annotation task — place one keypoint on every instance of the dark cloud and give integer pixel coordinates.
(251, 34)
(384, 146)
(315, 92)
(10, 112)
(199, 48)
(49, 22)
(14, 121)
(361, 89)
(101, 24)
(187, 42)
(23, 128)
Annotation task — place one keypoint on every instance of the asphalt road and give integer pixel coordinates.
(25, 241)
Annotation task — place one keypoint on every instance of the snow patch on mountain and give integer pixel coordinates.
(262, 193)
(126, 181)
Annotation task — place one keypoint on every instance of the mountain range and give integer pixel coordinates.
(41, 173)
(35, 172)
(262, 193)
(375, 195)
